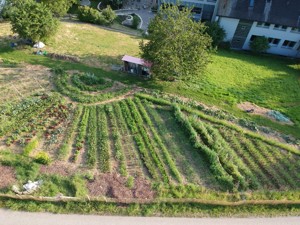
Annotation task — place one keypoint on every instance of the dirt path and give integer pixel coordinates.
(117, 98)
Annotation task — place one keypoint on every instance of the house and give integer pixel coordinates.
(137, 66)
(278, 20)
(204, 10)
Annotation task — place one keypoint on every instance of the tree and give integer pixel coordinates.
(59, 7)
(32, 20)
(216, 32)
(260, 44)
(90, 15)
(178, 47)
(109, 14)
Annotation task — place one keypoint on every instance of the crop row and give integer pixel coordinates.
(232, 138)
(177, 147)
(18, 118)
(91, 154)
(119, 154)
(261, 161)
(103, 138)
(61, 82)
(276, 165)
(144, 154)
(158, 140)
(250, 134)
(228, 158)
(83, 87)
(64, 149)
(149, 142)
(81, 133)
(225, 179)
(131, 152)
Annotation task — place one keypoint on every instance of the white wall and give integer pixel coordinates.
(275, 33)
(229, 25)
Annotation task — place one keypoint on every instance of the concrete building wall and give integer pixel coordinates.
(269, 31)
(229, 25)
(283, 34)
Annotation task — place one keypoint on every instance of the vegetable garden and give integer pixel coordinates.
(140, 141)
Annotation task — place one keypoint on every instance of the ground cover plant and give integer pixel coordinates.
(243, 77)
(88, 133)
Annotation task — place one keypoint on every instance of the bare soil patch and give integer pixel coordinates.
(59, 168)
(257, 110)
(24, 80)
(7, 176)
(114, 186)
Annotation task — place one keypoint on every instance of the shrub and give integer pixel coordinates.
(109, 14)
(90, 15)
(260, 44)
(135, 21)
(91, 79)
(216, 32)
(42, 158)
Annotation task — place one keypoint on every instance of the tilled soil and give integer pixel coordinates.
(114, 186)
(7, 176)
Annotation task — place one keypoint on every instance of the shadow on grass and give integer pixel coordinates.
(272, 62)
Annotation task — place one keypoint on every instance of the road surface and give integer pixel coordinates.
(8, 217)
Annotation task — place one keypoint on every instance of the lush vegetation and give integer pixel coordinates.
(33, 20)
(178, 47)
(90, 15)
(94, 131)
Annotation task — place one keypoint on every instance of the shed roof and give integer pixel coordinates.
(135, 60)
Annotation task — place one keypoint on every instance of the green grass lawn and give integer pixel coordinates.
(232, 77)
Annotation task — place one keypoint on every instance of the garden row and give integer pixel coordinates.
(238, 161)
(76, 90)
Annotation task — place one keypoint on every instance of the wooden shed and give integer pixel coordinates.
(137, 66)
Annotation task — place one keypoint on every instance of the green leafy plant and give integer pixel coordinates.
(42, 158)
(260, 44)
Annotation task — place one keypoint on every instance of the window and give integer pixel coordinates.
(277, 26)
(265, 25)
(283, 27)
(296, 30)
(253, 37)
(288, 44)
(273, 41)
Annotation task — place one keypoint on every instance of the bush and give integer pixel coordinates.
(260, 44)
(109, 14)
(216, 32)
(90, 15)
(91, 79)
(42, 158)
(135, 21)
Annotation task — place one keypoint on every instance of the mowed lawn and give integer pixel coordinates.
(232, 77)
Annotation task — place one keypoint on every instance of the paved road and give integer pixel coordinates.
(145, 14)
(8, 217)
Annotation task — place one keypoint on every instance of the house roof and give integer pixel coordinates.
(135, 60)
(282, 12)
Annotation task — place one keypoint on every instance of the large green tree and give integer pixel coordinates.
(59, 7)
(178, 47)
(33, 20)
